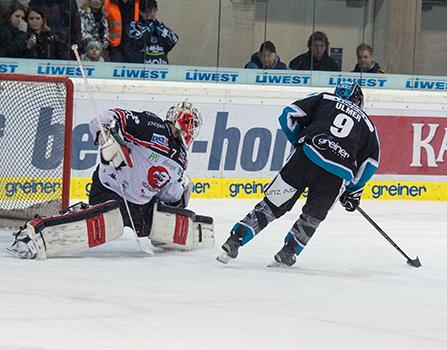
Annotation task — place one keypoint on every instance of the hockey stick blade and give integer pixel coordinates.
(414, 262)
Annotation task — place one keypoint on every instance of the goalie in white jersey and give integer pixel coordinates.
(143, 163)
(155, 159)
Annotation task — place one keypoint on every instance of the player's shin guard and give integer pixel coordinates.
(244, 231)
(83, 226)
(297, 239)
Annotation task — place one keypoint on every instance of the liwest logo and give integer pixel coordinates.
(288, 79)
(397, 190)
(211, 76)
(125, 72)
(367, 82)
(8, 68)
(60, 69)
(426, 84)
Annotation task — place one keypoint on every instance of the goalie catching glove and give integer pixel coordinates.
(351, 200)
(113, 148)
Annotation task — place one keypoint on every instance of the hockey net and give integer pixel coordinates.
(35, 145)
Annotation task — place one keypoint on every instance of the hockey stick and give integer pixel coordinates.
(412, 262)
(146, 248)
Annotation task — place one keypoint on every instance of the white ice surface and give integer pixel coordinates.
(349, 289)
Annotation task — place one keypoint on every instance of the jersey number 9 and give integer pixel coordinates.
(342, 125)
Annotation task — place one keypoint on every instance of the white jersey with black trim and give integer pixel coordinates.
(159, 159)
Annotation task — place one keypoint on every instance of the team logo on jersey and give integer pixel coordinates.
(160, 140)
(324, 142)
(158, 177)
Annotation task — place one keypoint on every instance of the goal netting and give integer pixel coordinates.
(35, 145)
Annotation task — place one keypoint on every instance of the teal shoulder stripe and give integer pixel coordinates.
(326, 164)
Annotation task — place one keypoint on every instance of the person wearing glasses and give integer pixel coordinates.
(365, 60)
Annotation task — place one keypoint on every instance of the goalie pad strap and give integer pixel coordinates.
(40, 223)
(96, 230)
(181, 229)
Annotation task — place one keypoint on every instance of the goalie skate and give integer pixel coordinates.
(24, 246)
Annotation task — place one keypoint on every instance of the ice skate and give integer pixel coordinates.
(24, 246)
(286, 256)
(231, 248)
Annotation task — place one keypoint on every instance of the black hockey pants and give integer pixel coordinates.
(141, 214)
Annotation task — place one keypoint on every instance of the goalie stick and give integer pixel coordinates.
(147, 248)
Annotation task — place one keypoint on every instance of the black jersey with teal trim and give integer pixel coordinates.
(336, 134)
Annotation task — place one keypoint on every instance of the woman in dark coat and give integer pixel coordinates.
(41, 42)
(13, 35)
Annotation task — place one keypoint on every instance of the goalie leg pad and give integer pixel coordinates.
(82, 227)
(181, 229)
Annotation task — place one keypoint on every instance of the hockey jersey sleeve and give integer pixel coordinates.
(368, 160)
(297, 116)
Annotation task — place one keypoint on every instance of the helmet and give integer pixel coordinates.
(350, 91)
(187, 120)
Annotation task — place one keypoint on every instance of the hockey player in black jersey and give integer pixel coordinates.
(337, 152)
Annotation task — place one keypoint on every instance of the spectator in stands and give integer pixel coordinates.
(119, 14)
(13, 34)
(317, 58)
(94, 26)
(64, 20)
(149, 40)
(266, 58)
(93, 52)
(6, 5)
(365, 61)
(41, 42)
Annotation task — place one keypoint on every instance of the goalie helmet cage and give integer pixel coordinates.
(36, 114)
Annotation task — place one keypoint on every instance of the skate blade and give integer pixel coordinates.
(14, 253)
(276, 264)
(224, 258)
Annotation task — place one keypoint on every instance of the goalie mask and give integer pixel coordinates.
(350, 91)
(187, 120)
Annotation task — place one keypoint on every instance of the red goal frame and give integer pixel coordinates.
(69, 98)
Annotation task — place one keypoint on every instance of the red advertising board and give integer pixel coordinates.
(412, 145)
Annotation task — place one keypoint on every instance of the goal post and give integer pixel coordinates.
(36, 116)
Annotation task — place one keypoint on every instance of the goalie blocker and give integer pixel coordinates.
(84, 226)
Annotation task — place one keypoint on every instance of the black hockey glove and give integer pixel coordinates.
(351, 200)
